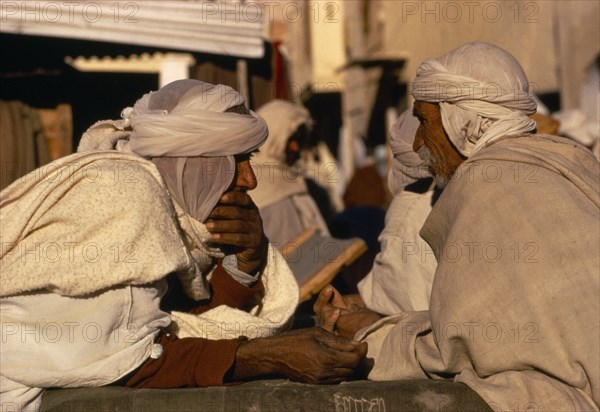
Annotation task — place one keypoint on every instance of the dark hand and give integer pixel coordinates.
(303, 355)
(236, 223)
(343, 315)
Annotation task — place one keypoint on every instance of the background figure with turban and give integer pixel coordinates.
(158, 198)
(402, 273)
(515, 301)
(286, 207)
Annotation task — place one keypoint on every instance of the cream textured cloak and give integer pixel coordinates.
(515, 304)
(86, 241)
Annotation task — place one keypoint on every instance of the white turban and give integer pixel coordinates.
(277, 180)
(184, 130)
(407, 166)
(483, 94)
(197, 124)
(283, 119)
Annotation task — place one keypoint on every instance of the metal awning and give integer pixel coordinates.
(223, 28)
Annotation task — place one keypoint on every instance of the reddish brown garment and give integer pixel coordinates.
(193, 362)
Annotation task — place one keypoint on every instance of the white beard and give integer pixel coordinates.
(429, 159)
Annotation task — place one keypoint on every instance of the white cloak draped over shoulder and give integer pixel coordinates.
(515, 303)
(86, 242)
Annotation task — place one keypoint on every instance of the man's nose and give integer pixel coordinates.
(246, 178)
(418, 143)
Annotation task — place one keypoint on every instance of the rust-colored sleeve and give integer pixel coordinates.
(227, 291)
(193, 362)
(187, 363)
(224, 291)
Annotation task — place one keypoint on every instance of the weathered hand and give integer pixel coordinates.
(236, 223)
(343, 315)
(348, 323)
(328, 307)
(304, 355)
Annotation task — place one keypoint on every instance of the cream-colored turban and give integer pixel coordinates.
(483, 94)
(277, 180)
(283, 119)
(185, 130)
(407, 166)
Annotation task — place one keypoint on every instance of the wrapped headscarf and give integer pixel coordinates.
(185, 130)
(283, 119)
(483, 94)
(407, 166)
(277, 180)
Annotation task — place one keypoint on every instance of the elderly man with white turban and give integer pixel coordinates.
(515, 303)
(286, 207)
(89, 242)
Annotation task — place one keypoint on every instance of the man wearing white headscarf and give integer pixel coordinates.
(515, 303)
(286, 207)
(88, 244)
(402, 273)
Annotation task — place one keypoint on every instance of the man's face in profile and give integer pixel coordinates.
(296, 142)
(433, 145)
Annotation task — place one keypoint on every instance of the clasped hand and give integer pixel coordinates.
(235, 223)
(343, 315)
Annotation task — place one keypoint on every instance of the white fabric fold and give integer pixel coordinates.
(272, 316)
(197, 126)
(407, 166)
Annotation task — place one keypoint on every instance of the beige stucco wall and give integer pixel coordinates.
(578, 30)
(423, 29)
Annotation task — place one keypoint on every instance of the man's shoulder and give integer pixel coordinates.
(106, 167)
(113, 179)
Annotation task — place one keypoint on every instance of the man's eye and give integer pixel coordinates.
(245, 156)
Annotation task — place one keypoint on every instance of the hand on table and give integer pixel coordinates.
(310, 355)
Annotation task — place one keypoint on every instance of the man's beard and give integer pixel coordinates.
(440, 178)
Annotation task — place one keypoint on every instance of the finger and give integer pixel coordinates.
(323, 299)
(337, 375)
(233, 239)
(363, 349)
(344, 359)
(229, 226)
(353, 308)
(342, 371)
(329, 318)
(338, 343)
(337, 299)
(224, 212)
(237, 198)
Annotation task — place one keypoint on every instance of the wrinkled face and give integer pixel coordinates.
(433, 145)
(244, 179)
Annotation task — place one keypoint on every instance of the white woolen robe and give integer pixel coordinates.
(515, 303)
